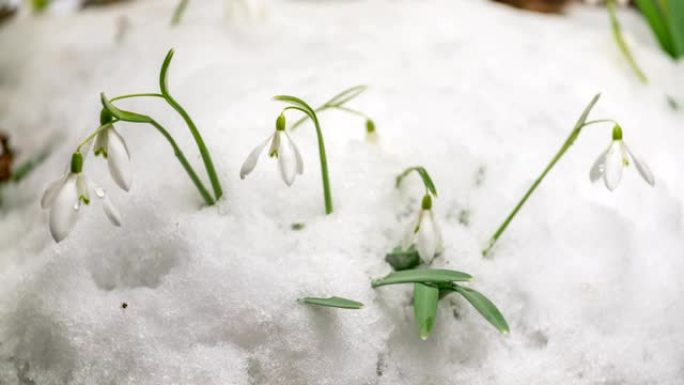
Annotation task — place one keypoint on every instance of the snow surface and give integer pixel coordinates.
(590, 281)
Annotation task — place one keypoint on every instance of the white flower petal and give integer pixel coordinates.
(111, 211)
(298, 155)
(275, 144)
(287, 161)
(410, 236)
(438, 234)
(614, 164)
(82, 186)
(51, 192)
(100, 146)
(426, 240)
(118, 159)
(252, 159)
(598, 168)
(643, 169)
(64, 210)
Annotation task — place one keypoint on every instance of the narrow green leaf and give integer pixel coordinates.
(39, 5)
(655, 16)
(672, 102)
(424, 175)
(434, 276)
(425, 301)
(427, 181)
(295, 101)
(179, 11)
(622, 44)
(676, 14)
(126, 116)
(585, 114)
(163, 86)
(338, 302)
(485, 307)
(346, 95)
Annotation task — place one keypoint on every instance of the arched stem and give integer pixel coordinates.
(300, 105)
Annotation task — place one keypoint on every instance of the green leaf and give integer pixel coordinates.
(622, 44)
(295, 101)
(427, 180)
(403, 259)
(425, 301)
(39, 5)
(178, 12)
(434, 276)
(338, 302)
(583, 119)
(676, 14)
(163, 73)
(346, 95)
(126, 116)
(655, 16)
(485, 307)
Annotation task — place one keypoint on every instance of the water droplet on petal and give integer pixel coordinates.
(100, 192)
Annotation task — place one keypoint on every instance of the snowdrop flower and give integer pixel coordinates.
(425, 235)
(65, 196)
(610, 163)
(282, 147)
(111, 146)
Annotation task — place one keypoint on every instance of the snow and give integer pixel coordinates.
(480, 94)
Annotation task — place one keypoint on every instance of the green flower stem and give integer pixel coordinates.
(329, 107)
(133, 117)
(581, 123)
(622, 44)
(300, 105)
(206, 157)
(184, 162)
(201, 146)
(179, 11)
(424, 176)
(94, 134)
(152, 95)
(337, 102)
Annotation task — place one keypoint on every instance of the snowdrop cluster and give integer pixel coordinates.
(422, 241)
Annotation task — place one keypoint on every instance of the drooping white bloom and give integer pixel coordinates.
(282, 147)
(65, 197)
(610, 163)
(425, 233)
(111, 145)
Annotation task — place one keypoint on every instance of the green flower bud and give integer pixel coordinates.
(426, 204)
(617, 132)
(280, 122)
(76, 162)
(370, 126)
